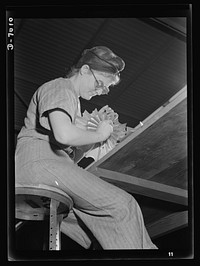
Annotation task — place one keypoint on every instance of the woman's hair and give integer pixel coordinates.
(99, 58)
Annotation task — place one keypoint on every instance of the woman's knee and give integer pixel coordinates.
(124, 205)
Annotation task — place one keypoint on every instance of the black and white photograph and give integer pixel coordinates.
(99, 125)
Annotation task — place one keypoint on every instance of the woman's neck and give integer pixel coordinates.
(76, 83)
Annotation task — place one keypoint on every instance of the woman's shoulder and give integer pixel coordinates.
(57, 85)
(57, 81)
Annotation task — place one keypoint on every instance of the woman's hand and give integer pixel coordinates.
(69, 134)
(104, 129)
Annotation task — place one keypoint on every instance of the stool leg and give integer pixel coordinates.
(54, 227)
(46, 234)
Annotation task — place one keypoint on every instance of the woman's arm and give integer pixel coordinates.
(68, 134)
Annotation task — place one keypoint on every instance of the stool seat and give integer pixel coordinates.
(43, 202)
(33, 202)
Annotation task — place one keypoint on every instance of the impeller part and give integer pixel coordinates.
(91, 122)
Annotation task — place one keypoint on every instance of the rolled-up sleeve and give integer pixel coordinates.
(56, 95)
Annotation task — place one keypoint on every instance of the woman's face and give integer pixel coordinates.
(89, 84)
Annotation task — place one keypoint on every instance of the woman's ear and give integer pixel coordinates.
(84, 69)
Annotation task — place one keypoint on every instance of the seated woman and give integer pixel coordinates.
(44, 155)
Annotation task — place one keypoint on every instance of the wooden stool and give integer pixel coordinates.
(40, 203)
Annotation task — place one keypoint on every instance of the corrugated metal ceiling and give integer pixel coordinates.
(155, 60)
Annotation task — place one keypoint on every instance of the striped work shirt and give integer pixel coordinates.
(35, 140)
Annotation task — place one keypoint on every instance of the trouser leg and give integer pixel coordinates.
(111, 214)
(73, 229)
(123, 228)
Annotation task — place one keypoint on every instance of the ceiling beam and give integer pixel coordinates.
(140, 71)
(165, 28)
(21, 99)
(99, 32)
(94, 37)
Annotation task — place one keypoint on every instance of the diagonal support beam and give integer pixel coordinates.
(168, 224)
(143, 187)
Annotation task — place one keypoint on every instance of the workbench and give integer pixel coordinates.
(151, 163)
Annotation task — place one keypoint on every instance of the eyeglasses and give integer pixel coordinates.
(100, 85)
